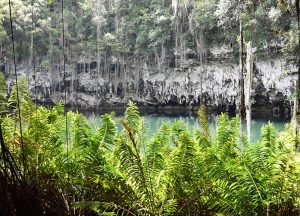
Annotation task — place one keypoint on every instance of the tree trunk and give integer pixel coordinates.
(296, 112)
(31, 50)
(98, 49)
(295, 117)
(98, 59)
(50, 52)
(248, 87)
(241, 80)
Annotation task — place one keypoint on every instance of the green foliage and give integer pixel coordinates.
(174, 172)
(19, 94)
(292, 46)
(205, 14)
(227, 136)
(144, 28)
(3, 94)
(106, 133)
(204, 133)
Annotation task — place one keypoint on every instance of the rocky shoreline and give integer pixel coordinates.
(266, 112)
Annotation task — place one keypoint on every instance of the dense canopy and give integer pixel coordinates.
(156, 29)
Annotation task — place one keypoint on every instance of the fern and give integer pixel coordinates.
(107, 131)
(177, 128)
(173, 172)
(132, 117)
(82, 130)
(185, 172)
(204, 133)
(132, 166)
(158, 150)
(268, 136)
(22, 91)
(228, 136)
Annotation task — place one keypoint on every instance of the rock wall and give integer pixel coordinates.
(214, 84)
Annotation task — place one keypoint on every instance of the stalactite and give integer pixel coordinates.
(159, 59)
(163, 55)
(176, 42)
(137, 76)
(7, 68)
(200, 47)
(72, 83)
(31, 49)
(175, 6)
(181, 35)
(116, 75)
(105, 74)
(183, 51)
(248, 86)
(201, 50)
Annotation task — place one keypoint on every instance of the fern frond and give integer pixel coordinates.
(204, 132)
(268, 135)
(23, 93)
(107, 131)
(132, 166)
(177, 128)
(227, 136)
(132, 117)
(185, 173)
(82, 130)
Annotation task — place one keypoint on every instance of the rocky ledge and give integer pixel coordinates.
(213, 84)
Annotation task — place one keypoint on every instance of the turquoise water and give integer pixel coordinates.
(153, 123)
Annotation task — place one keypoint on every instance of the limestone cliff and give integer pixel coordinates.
(213, 83)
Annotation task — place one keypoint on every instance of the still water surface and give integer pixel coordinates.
(153, 123)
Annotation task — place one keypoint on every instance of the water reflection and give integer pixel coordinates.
(154, 121)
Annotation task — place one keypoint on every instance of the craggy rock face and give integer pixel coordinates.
(213, 84)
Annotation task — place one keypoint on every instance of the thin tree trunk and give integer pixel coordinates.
(176, 43)
(298, 85)
(50, 53)
(296, 113)
(163, 55)
(248, 87)
(201, 82)
(241, 80)
(98, 49)
(31, 50)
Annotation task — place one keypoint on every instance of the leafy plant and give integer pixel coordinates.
(173, 172)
